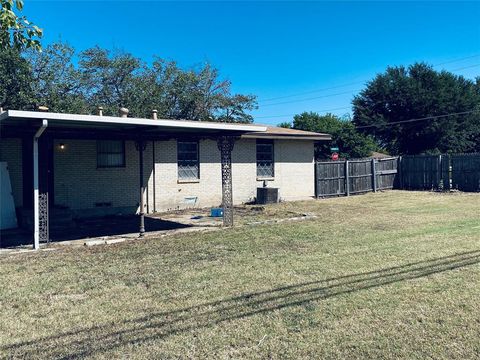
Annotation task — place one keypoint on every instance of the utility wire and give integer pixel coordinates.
(465, 67)
(312, 98)
(457, 60)
(318, 111)
(313, 91)
(417, 119)
(363, 81)
(330, 95)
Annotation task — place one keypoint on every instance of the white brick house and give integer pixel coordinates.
(92, 173)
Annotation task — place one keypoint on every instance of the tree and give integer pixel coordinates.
(56, 81)
(350, 142)
(198, 94)
(285, 124)
(116, 79)
(17, 32)
(15, 81)
(232, 108)
(110, 80)
(419, 92)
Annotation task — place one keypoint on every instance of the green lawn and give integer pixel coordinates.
(387, 275)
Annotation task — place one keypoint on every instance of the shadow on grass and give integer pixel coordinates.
(156, 326)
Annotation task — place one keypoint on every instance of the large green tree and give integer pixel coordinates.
(113, 79)
(17, 32)
(16, 80)
(56, 82)
(388, 103)
(351, 143)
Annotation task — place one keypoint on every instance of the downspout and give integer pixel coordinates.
(154, 179)
(36, 212)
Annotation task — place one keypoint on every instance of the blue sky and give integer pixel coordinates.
(277, 49)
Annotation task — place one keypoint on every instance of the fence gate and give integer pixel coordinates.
(360, 176)
(387, 173)
(330, 178)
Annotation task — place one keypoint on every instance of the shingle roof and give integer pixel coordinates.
(274, 132)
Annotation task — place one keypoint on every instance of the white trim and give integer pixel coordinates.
(287, 137)
(186, 124)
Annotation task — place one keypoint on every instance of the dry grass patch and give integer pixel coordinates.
(388, 275)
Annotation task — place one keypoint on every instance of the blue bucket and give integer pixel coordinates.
(216, 212)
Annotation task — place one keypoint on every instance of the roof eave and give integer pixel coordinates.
(96, 119)
(287, 137)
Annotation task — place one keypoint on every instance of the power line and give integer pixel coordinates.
(417, 119)
(465, 67)
(457, 60)
(347, 92)
(311, 98)
(363, 81)
(314, 91)
(318, 111)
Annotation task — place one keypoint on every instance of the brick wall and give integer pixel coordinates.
(294, 170)
(294, 173)
(80, 185)
(173, 194)
(11, 152)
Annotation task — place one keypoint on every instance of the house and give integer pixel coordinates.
(97, 165)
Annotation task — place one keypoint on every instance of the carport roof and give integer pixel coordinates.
(17, 121)
(60, 121)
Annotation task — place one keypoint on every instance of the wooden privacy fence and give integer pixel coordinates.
(334, 178)
(412, 172)
(440, 172)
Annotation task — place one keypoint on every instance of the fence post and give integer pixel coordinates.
(374, 176)
(439, 173)
(448, 173)
(400, 172)
(347, 179)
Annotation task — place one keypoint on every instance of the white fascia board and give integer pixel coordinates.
(184, 124)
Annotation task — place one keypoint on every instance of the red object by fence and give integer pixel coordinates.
(335, 156)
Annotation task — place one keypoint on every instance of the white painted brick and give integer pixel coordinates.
(79, 184)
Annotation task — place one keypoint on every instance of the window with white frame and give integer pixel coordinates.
(110, 153)
(265, 159)
(188, 160)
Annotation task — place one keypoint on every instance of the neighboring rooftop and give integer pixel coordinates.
(274, 132)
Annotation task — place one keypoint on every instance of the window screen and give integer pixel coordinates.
(265, 161)
(187, 157)
(110, 153)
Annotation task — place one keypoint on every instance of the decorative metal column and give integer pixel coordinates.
(44, 233)
(141, 145)
(225, 145)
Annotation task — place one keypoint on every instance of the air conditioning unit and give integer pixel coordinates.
(267, 195)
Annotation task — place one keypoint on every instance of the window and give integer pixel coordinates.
(265, 161)
(110, 153)
(187, 158)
